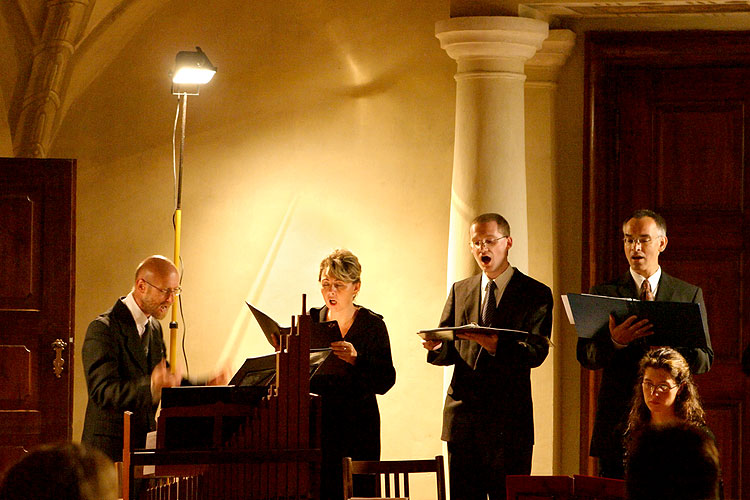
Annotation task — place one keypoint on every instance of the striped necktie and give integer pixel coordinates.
(488, 309)
(646, 293)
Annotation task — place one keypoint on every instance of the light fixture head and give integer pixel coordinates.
(191, 69)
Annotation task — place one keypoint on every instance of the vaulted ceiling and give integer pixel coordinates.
(27, 27)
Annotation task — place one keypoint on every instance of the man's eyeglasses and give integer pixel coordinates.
(485, 243)
(657, 389)
(166, 291)
(644, 241)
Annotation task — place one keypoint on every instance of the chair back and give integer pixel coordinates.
(564, 488)
(393, 474)
(598, 488)
(539, 487)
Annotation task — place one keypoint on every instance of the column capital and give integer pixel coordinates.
(545, 66)
(491, 43)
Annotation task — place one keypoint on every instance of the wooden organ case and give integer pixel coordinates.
(263, 447)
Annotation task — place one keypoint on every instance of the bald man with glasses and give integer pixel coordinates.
(124, 359)
(618, 348)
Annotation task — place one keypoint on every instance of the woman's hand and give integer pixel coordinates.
(345, 351)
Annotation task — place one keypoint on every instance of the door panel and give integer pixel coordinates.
(37, 255)
(669, 127)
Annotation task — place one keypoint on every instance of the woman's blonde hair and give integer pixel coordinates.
(341, 265)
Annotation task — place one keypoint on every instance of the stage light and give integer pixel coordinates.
(191, 69)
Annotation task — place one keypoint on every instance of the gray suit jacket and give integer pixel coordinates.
(490, 396)
(118, 377)
(620, 366)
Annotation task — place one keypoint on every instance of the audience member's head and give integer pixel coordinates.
(678, 461)
(65, 471)
(666, 390)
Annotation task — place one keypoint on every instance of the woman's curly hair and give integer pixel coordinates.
(687, 405)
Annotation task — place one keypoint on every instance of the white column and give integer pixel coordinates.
(541, 75)
(489, 164)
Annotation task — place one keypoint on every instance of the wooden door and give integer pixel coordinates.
(37, 259)
(669, 122)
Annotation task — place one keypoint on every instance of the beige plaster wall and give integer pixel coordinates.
(567, 254)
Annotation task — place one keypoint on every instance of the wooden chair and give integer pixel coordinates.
(598, 488)
(564, 488)
(539, 487)
(395, 475)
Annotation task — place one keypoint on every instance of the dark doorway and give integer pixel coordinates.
(666, 114)
(37, 262)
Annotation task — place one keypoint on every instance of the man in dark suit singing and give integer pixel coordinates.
(124, 359)
(488, 417)
(618, 348)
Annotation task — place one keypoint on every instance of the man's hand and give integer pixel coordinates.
(489, 342)
(431, 345)
(223, 377)
(161, 377)
(629, 330)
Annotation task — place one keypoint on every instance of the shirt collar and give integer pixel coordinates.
(653, 279)
(139, 316)
(501, 281)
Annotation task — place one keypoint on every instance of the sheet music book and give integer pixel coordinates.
(260, 372)
(323, 333)
(271, 329)
(676, 324)
(449, 333)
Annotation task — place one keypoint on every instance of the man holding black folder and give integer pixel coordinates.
(618, 348)
(487, 420)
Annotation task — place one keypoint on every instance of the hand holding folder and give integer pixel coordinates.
(675, 324)
(323, 334)
(629, 330)
(452, 333)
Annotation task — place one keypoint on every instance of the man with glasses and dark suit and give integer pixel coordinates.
(618, 348)
(488, 416)
(124, 359)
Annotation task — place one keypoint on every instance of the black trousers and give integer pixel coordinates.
(478, 469)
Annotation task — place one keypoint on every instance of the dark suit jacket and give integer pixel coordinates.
(118, 377)
(491, 395)
(620, 375)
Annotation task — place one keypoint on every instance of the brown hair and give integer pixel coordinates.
(661, 224)
(64, 471)
(687, 405)
(502, 224)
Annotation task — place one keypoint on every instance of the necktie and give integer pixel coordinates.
(146, 337)
(646, 293)
(488, 308)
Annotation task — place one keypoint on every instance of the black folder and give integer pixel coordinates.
(323, 333)
(503, 334)
(450, 332)
(675, 324)
(261, 371)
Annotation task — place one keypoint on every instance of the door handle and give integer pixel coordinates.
(58, 346)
